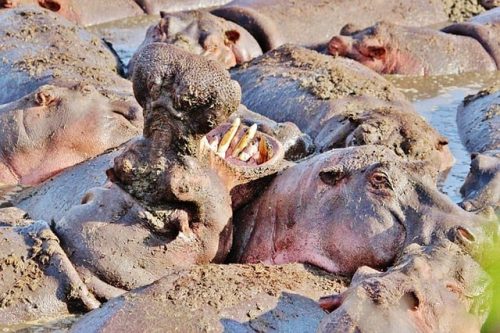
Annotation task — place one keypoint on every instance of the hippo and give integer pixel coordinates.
(339, 103)
(83, 12)
(478, 120)
(388, 48)
(312, 23)
(40, 47)
(231, 298)
(38, 281)
(154, 7)
(174, 189)
(346, 208)
(56, 127)
(200, 32)
(434, 288)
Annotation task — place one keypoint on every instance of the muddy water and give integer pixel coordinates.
(437, 99)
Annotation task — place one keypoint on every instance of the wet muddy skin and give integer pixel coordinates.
(435, 98)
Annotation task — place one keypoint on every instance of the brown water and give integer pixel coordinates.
(435, 98)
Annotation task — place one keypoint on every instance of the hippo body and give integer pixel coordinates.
(41, 48)
(436, 288)
(37, 281)
(310, 23)
(389, 48)
(338, 103)
(478, 120)
(154, 7)
(343, 209)
(83, 12)
(231, 298)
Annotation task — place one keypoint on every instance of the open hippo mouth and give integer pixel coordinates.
(242, 147)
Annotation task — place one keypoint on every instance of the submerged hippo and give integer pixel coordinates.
(339, 103)
(437, 288)
(343, 209)
(478, 120)
(86, 12)
(388, 48)
(153, 7)
(54, 128)
(37, 279)
(200, 32)
(39, 47)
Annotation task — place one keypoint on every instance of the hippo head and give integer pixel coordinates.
(374, 47)
(56, 127)
(400, 129)
(61, 7)
(346, 208)
(202, 33)
(482, 184)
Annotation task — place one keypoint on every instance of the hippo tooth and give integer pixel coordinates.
(245, 140)
(263, 151)
(228, 137)
(249, 151)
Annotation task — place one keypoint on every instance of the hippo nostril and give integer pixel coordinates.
(88, 197)
(50, 5)
(465, 235)
(330, 303)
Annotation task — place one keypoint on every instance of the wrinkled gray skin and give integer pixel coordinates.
(313, 22)
(86, 12)
(485, 28)
(37, 280)
(40, 47)
(202, 33)
(230, 298)
(154, 7)
(388, 48)
(339, 103)
(346, 208)
(436, 288)
(478, 120)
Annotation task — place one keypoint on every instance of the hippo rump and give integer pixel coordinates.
(55, 127)
(39, 47)
(436, 288)
(153, 7)
(388, 48)
(339, 103)
(37, 281)
(310, 23)
(200, 32)
(231, 298)
(86, 12)
(346, 208)
(478, 119)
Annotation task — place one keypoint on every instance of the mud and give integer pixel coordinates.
(462, 10)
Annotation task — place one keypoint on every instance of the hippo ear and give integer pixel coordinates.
(232, 36)
(52, 5)
(332, 176)
(377, 52)
(45, 97)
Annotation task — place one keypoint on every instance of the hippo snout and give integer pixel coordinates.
(339, 45)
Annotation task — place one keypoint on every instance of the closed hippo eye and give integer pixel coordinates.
(50, 5)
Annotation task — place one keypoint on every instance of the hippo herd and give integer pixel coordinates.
(249, 169)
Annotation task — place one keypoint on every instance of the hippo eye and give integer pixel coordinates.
(380, 180)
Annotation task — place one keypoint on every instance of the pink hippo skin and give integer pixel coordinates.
(388, 48)
(346, 208)
(86, 12)
(54, 128)
(202, 33)
(313, 22)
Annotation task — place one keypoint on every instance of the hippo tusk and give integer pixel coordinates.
(245, 140)
(228, 137)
